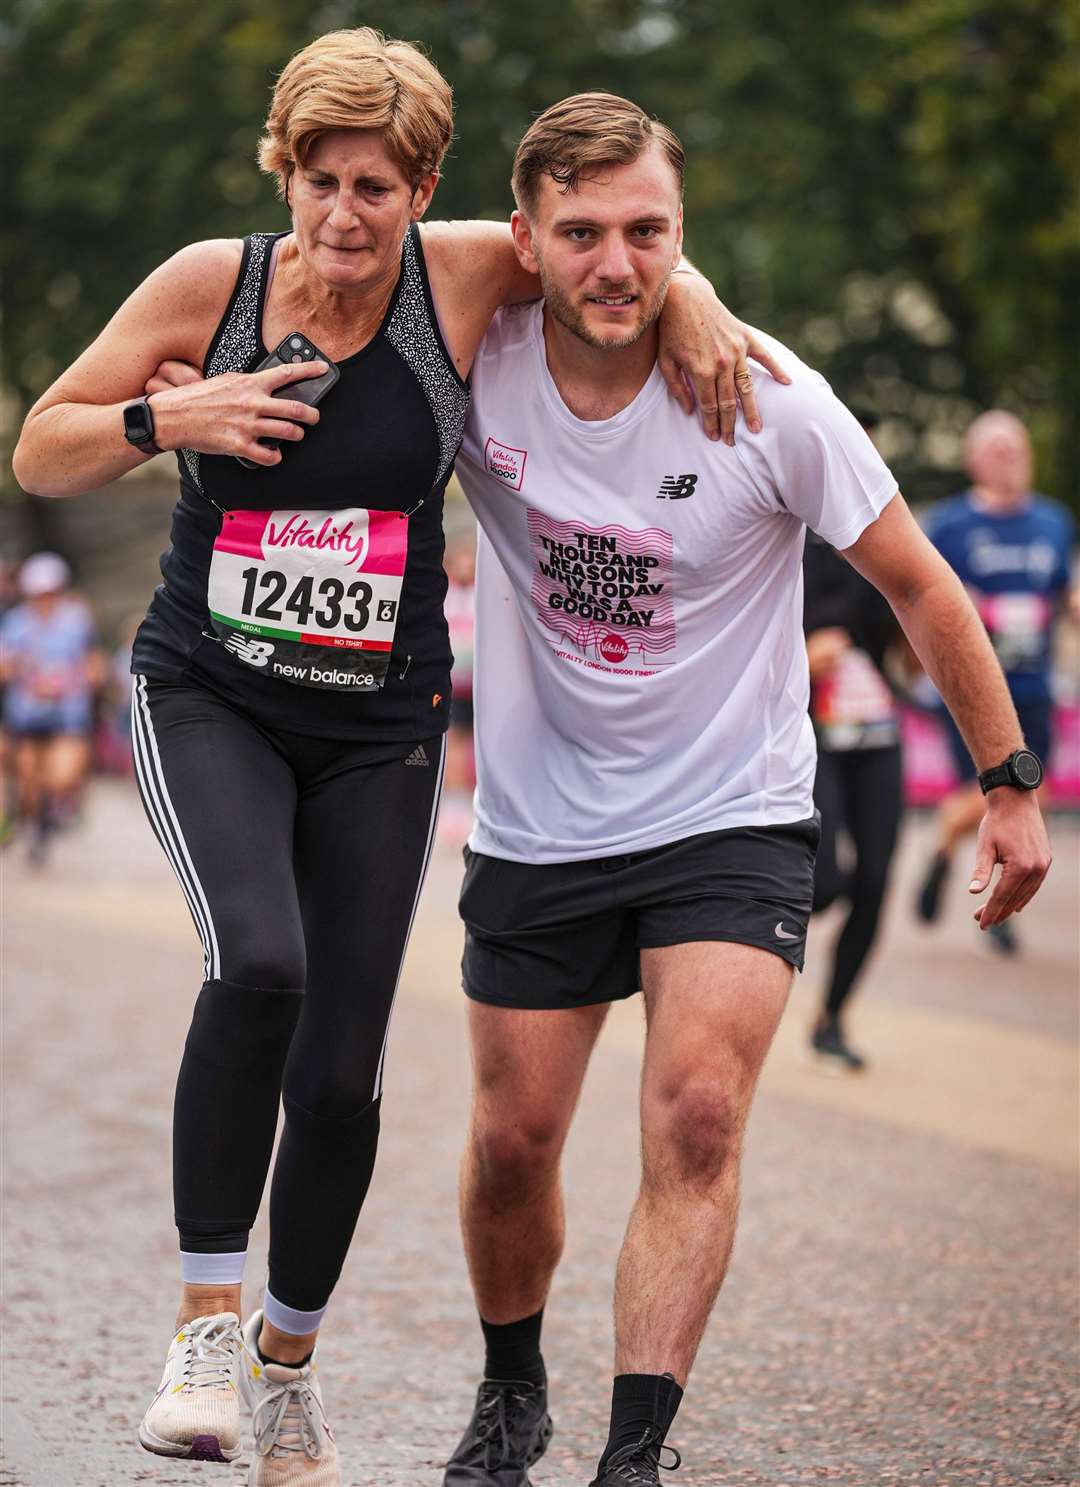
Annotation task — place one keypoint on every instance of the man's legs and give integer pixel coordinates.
(528, 1068)
(712, 1008)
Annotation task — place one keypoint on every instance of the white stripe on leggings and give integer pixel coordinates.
(197, 1269)
(147, 786)
(159, 807)
(150, 791)
(432, 825)
(288, 1319)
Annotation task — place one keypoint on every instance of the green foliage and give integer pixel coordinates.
(893, 189)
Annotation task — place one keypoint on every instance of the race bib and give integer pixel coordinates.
(1018, 626)
(310, 597)
(853, 707)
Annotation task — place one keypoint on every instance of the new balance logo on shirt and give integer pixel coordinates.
(676, 487)
(419, 757)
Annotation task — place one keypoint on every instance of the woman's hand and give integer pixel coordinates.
(824, 649)
(703, 347)
(231, 413)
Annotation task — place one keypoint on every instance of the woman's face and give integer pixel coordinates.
(351, 206)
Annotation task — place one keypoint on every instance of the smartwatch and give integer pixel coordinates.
(139, 426)
(1022, 768)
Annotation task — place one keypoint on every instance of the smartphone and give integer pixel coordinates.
(311, 390)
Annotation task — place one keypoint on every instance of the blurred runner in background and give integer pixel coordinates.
(52, 669)
(9, 593)
(460, 564)
(1011, 548)
(859, 783)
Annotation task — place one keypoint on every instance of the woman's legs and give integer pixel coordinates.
(364, 833)
(222, 799)
(829, 880)
(872, 805)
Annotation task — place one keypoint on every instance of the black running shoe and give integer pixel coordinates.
(638, 1464)
(928, 903)
(832, 1051)
(509, 1430)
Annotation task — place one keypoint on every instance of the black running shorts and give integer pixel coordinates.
(569, 934)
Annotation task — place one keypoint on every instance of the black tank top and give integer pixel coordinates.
(385, 443)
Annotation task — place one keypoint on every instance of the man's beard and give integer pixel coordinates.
(572, 317)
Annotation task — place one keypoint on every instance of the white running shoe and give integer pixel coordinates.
(293, 1439)
(196, 1412)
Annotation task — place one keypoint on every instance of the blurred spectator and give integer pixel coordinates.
(9, 592)
(114, 722)
(1011, 547)
(460, 564)
(51, 669)
(859, 783)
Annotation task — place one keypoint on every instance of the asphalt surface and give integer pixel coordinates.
(902, 1307)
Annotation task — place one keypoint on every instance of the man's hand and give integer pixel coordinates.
(1013, 834)
(172, 374)
(704, 348)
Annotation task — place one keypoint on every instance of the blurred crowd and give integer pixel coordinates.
(884, 739)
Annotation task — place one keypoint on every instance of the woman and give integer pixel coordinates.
(859, 783)
(292, 683)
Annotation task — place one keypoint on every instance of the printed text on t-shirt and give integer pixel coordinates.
(605, 591)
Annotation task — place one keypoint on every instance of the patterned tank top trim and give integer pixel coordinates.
(410, 332)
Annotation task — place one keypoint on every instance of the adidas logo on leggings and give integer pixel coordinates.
(419, 756)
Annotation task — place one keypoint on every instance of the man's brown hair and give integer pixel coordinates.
(359, 79)
(580, 136)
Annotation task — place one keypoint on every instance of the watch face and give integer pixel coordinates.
(137, 425)
(1027, 768)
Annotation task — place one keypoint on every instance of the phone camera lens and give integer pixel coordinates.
(295, 343)
(297, 358)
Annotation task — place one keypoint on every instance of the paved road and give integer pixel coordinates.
(903, 1303)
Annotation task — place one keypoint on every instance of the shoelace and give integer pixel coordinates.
(290, 1418)
(211, 1360)
(631, 1461)
(493, 1419)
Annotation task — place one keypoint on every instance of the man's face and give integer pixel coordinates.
(999, 456)
(605, 251)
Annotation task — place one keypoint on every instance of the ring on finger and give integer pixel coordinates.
(744, 378)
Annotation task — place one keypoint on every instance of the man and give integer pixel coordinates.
(646, 764)
(1011, 549)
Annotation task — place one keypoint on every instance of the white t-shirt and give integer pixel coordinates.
(640, 673)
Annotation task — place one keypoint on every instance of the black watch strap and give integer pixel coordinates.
(1022, 769)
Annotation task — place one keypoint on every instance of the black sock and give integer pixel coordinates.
(513, 1350)
(639, 1400)
(280, 1362)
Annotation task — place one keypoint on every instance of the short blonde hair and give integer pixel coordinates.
(580, 136)
(357, 79)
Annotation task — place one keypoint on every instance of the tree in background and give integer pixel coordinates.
(892, 189)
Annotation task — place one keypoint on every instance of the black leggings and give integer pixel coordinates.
(302, 861)
(862, 791)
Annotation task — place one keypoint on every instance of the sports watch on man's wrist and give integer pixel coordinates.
(1022, 768)
(139, 426)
